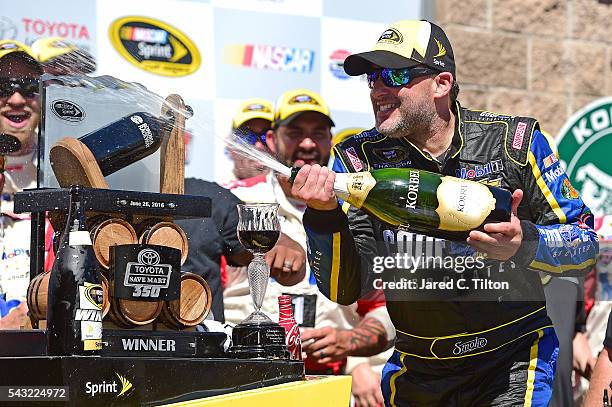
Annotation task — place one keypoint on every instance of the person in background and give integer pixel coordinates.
(598, 304)
(213, 243)
(601, 379)
(59, 57)
(565, 306)
(336, 339)
(253, 119)
(19, 120)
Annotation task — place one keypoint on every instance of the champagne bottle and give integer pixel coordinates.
(292, 331)
(423, 201)
(74, 302)
(127, 140)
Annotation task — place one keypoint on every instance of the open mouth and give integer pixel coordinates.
(303, 159)
(17, 119)
(385, 110)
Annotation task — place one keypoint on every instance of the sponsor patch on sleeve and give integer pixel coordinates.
(355, 161)
(519, 135)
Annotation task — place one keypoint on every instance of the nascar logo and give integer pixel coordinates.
(275, 58)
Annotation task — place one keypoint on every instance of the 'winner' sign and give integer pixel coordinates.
(146, 272)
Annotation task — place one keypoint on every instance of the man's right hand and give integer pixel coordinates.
(366, 386)
(314, 185)
(16, 318)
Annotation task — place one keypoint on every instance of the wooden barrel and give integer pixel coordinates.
(38, 293)
(131, 313)
(193, 306)
(166, 234)
(105, 294)
(109, 232)
(37, 296)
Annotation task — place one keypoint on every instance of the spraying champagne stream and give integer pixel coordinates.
(423, 201)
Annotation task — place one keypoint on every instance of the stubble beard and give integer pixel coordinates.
(413, 122)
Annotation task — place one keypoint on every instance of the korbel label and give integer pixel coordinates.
(463, 205)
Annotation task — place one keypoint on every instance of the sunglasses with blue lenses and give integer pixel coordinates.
(396, 78)
(27, 87)
(250, 136)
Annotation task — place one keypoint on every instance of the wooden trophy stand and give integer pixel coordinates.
(166, 366)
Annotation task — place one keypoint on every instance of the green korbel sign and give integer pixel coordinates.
(585, 151)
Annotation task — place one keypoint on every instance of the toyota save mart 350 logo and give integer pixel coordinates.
(154, 46)
(585, 143)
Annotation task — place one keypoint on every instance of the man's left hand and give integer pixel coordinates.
(287, 261)
(583, 360)
(502, 240)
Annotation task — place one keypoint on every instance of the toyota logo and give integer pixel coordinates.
(148, 257)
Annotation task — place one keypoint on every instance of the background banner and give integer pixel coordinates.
(217, 53)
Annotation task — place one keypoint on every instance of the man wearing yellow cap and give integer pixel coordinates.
(457, 344)
(253, 119)
(301, 135)
(19, 119)
(60, 57)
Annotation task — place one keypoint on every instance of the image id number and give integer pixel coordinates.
(33, 393)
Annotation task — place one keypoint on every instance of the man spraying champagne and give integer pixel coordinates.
(458, 343)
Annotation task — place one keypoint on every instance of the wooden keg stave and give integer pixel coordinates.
(193, 306)
(107, 232)
(165, 234)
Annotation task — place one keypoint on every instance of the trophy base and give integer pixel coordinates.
(259, 340)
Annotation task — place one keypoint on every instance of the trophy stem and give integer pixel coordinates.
(258, 273)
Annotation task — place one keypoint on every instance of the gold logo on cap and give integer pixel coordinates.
(256, 107)
(391, 36)
(303, 99)
(441, 49)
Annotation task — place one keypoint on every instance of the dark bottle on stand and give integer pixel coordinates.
(127, 140)
(74, 302)
(292, 330)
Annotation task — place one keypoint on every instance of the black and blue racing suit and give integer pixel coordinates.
(482, 336)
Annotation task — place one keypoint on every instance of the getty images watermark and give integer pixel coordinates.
(412, 264)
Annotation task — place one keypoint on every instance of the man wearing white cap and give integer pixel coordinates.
(457, 344)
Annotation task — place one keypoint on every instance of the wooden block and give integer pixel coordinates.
(74, 164)
(172, 150)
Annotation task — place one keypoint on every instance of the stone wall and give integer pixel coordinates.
(542, 58)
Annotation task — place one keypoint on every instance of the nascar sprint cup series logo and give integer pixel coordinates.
(67, 111)
(147, 276)
(154, 46)
(584, 144)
